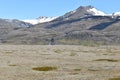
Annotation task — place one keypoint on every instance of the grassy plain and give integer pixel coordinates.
(59, 62)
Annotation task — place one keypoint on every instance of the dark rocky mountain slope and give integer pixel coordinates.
(80, 27)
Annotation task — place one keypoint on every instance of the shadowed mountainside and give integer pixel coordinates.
(75, 27)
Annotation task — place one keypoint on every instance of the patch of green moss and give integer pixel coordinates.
(12, 65)
(45, 68)
(109, 60)
(73, 73)
(9, 52)
(73, 53)
(93, 70)
(57, 51)
(77, 69)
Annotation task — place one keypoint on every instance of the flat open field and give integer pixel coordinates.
(36, 62)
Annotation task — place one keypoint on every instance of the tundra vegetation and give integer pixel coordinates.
(59, 62)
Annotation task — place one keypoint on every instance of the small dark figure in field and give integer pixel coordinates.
(52, 41)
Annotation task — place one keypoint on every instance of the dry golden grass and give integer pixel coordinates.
(59, 62)
(115, 78)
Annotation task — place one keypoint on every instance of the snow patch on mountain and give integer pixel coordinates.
(40, 20)
(19, 23)
(116, 14)
(73, 11)
(96, 12)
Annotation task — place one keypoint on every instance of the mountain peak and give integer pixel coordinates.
(96, 12)
(85, 7)
(83, 11)
(116, 14)
(40, 19)
(91, 10)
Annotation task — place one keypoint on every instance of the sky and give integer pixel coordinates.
(30, 9)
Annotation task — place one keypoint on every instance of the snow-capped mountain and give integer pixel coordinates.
(82, 24)
(116, 14)
(90, 10)
(18, 23)
(41, 19)
(82, 11)
(96, 12)
(14, 23)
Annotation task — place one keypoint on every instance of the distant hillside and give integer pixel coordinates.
(84, 26)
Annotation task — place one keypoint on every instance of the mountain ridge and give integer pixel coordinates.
(84, 26)
(90, 9)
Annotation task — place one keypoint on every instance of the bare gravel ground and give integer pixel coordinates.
(72, 62)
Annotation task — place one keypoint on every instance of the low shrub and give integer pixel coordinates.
(45, 68)
(109, 60)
